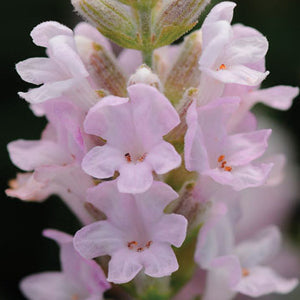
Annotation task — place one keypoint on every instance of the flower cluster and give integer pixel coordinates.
(151, 149)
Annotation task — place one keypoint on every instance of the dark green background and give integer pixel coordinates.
(23, 250)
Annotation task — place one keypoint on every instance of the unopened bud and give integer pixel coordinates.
(189, 205)
(102, 66)
(178, 133)
(112, 18)
(185, 72)
(144, 75)
(173, 18)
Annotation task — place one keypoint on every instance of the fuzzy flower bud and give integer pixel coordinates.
(102, 67)
(185, 72)
(112, 19)
(174, 18)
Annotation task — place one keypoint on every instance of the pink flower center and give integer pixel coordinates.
(138, 158)
(223, 163)
(134, 245)
(245, 272)
(221, 67)
(75, 297)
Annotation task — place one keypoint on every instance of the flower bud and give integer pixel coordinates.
(188, 205)
(102, 66)
(178, 133)
(112, 18)
(185, 72)
(173, 18)
(144, 75)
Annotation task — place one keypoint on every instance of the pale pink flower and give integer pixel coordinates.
(133, 128)
(227, 57)
(278, 97)
(80, 279)
(62, 74)
(54, 160)
(243, 271)
(211, 151)
(281, 190)
(137, 234)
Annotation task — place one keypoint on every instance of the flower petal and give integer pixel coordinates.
(172, 229)
(43, 32)
(222, 11)
(135, 178)
(159, 260)
(279, 97)
(242, 177)
(153, 114)
(97, 239)
(215, 38)
(39, 70)
(63, 50)
(107, 117)
(29, 155)
(224, 274)
(262, 281)
(260, 248)
(155, 200)
(246, 50)
(163, 158)
(25, 187)
(102, 161)
(238, 74)
(130, 60)
(123, 266)
(47, 91)
(241, 149)
(215, 236)
(48, 286)
(70, 183)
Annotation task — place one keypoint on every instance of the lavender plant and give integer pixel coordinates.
(153, 150)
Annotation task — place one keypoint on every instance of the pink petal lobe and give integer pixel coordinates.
(244, 147)
(123, 266)
(239, 74)
(135, 178)
(102, 161)
(260, 248)
(43, 32)
(97, 239)
(29, 155)
(106, 117)
(153, 113)
(39, 70)
(242, 177)
(163, 158)
(222, 11)
(262, 281)
(279, 97)
(172, 229)
(160, 261)
(47, 286)
(26, 188)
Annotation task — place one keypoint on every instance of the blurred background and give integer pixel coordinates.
(23, 249)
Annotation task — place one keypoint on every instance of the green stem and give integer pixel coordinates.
(147, 57)
(145, 15)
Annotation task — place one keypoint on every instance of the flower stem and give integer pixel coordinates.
(145, 14)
